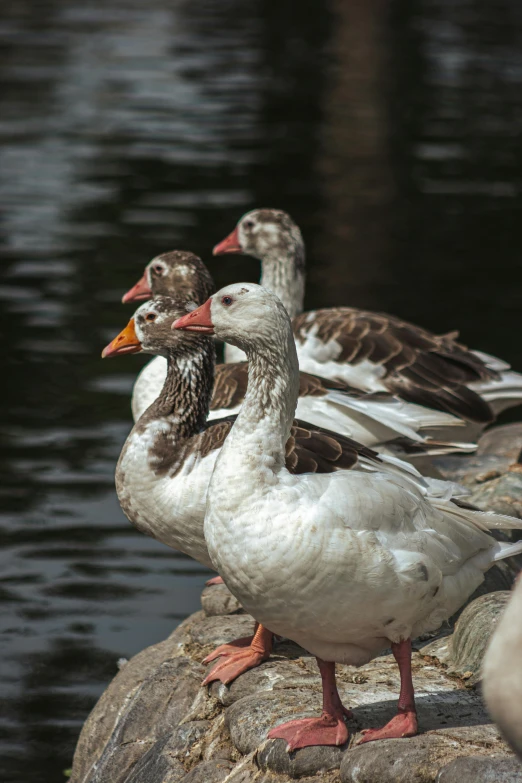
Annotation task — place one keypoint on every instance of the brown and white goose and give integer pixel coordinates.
(372, 351)
(380, 420)
(165, 466)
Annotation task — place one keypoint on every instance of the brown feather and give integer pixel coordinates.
(428, 369)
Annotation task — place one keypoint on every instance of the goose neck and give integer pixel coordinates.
(268, 409)
(283, 273)
(185, 398)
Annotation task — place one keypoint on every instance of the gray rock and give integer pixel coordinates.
(307, 761)
(150, 712)
(247, 771)
(503, 441)
(218, 600)
(209, 632)
(101, 723)
(275, 674)
(471, 470)
(472, 633)
(154, 767)
(501, 493)
(250, 719)
(415, 760)
(393, 761)
(209, 772)
(185, 737)
(477, 769)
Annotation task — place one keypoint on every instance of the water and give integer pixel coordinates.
(127, 129)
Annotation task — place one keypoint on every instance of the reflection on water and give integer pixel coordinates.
(127, 129)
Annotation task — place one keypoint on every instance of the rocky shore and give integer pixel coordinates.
(156, 724)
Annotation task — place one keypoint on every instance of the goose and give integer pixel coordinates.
(165, 465)
(502, 672)
(373, 351)
(381, 420)
(346, 564)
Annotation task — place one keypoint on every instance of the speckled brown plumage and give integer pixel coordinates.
(421, 367)
(231, 380)
(309, 449)
(185, 276)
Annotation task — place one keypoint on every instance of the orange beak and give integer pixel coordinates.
(230, 244)
(198, 320)
(139, 293)
(126, 342)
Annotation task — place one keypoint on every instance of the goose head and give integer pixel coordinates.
(263, 234)
(150, 330)
(244, 314)
(176, 273)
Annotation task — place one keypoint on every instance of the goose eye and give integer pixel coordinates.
(150, 317)
(227, 300)
(158, 269)
(248, 224)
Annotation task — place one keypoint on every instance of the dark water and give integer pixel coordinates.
(392, 132)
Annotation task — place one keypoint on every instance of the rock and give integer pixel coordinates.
(275, 674)
(503, 441)
(167, 729)
(218, 600)
(477, 769)
(307, 761)
(209, 772)
(209, 632)
(149, 714)
(502, 494)
(471, 470)
(250, 719)
(492, 475)
(101, 723)
(415, 760)
(154, 767)
(472, 632)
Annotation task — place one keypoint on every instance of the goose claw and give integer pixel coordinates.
(404, 724)
(326, 730)
(240, 656)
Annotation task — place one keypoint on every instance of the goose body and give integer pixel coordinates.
(502, 674)
(380, 420)
(372, 351)
(344, 563)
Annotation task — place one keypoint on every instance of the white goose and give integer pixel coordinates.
(345, 564)
(372, 351)
(165, 466)
(502, 672)
(381, 420)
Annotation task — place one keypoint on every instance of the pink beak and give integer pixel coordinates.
(230, 244)
(199, 320)
(138, 293)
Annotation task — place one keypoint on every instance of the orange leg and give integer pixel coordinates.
(240, 656)
(404, 724)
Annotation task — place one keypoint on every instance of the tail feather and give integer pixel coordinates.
(507, 550)
(484, 520)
